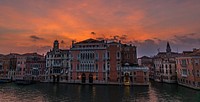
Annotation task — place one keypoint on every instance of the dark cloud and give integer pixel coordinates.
(93, 33)
(148, 47)
(178, 43)
(36, 38)
(122, 38)
(152, 46)
(192, 38)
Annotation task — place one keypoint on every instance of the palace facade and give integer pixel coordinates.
(165, 66)
(95, 61)
(57, 64)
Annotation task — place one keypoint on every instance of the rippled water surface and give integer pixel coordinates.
(45, 92)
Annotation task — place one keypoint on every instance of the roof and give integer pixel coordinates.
(167, 54)
(90, 41)
(113, 42)
(195, 52)
(145, 57)
(31, 54)
(59, 51)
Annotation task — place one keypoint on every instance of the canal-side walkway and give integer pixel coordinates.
(96, 83)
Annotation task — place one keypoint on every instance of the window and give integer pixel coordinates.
(170, 71)
(118, 66)
(96, 66)
(71, 66)
(134, 73)
(77, 66)
(96, 76)
(78, 56)
(196, 61)
(170, 66)
(184, 72)
(108, 55)
(97, 56)
(104, 56)
(183, 62)
(108, 65)
(145, 73)
(188, 72)
(104, 66)
(128, 55)
(118, 55)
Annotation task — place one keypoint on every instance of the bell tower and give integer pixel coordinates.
(168, 49)
(56, 45)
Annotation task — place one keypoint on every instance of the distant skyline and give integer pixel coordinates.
(32, 26)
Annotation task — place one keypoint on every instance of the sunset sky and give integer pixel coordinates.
(33, 25)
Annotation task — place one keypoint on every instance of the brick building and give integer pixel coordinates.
(35, 66)
(30, 66)
(188, 69)
(8, 63)
(101, 61)
(147, 62)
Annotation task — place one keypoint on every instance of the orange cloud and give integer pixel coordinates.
(75, 20)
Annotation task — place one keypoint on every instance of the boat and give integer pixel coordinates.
(127, 83)
(26, 80)
(23, 82)
(5, 81)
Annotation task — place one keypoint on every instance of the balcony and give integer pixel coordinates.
(56, 65)
(184, 75)
(183, 65)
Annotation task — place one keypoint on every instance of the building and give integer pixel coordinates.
(57, 64)
(147, 62)
(35, 66)
(30, 66)
(165, 66)
(1, 66)
(12, 65)
(188, 69)
(20, 68)
(134, 75)
(102, 61)
(8, 63)
(89, 61)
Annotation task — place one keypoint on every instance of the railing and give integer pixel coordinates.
(184, 75)
(184, 65)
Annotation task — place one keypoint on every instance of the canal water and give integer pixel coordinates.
(46, 92)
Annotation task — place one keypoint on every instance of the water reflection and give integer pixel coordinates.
(43, 92)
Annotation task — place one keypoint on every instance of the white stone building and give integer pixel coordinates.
(165, 66)
(57, 64)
